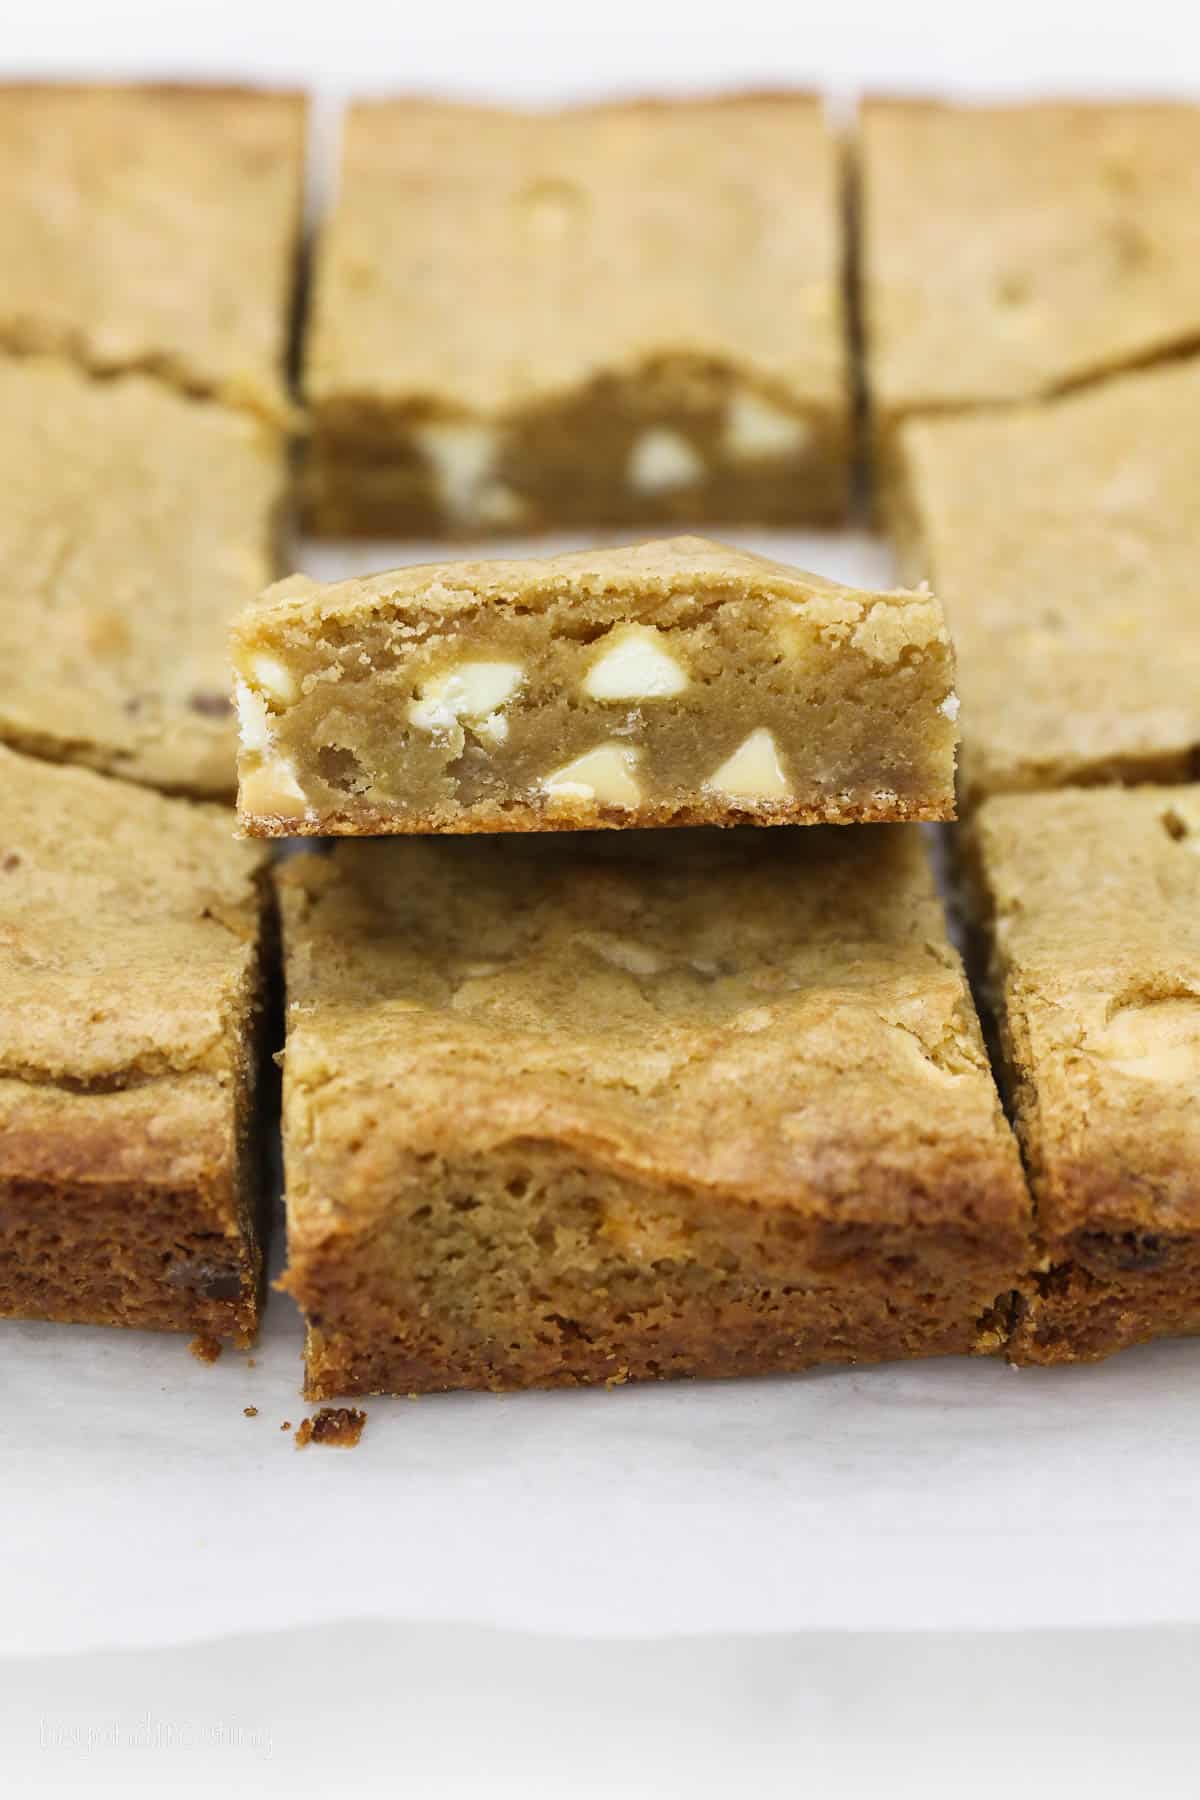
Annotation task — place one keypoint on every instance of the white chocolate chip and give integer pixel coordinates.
(623, 953)
(498, 504)
(604, 774)
(462, 457)
(254, 721)
(272, 791)
(471, 691)
(756, 428)
(634, 666)
(274, 680)
(753, 772)
(661, 460)
(1159, 1041)
(949, 706)
(494, 728)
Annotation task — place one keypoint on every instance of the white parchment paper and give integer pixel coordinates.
(139, 1506)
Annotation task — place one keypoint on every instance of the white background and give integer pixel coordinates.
(938, 1578)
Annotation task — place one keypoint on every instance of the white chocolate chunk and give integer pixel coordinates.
(661, 460)
(623, 953)
(1159, 1041)
(753, 772)
(498, 504)
(949, 706)
(462, 456)
(254, 721)
(604, 774)
(756, 428)
(494, 728)
(272, 791)
(634, 666)
(471, 691)
(271, 677)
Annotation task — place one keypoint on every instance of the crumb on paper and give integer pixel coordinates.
(341, 1426)
(252, 1362)
(286, 1426)
(251, 1412)
(205, 1349)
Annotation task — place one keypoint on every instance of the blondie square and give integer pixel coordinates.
(131, 960)
(1011, 251)
(1089, 903)
(675, 682)
(153, 228)
(1064, 540)
(135, 523)
(564, 1110)
(619, 314)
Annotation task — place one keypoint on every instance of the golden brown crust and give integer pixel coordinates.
(552, 1105)
(1090, 263)
(1089, 903)
(129, 1179)
(154, 228)
(1063, 540)
(136, 522)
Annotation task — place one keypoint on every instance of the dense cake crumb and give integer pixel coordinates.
(341, 1426)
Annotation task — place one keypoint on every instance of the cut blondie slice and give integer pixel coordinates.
(135, 524)
(677, 682)
(1064, 540)
(615, 314)
(1012, 251)
(1090, 905)
(153, 228)
(570, 1110)
(131, 956)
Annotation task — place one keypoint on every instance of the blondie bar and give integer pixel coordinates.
(131, 958)
(1090, 906)
(675, 682)
(619, 314)
(135, 523)
(1064, 540)
(153, 228)
(1011, 251)
(563, 1110)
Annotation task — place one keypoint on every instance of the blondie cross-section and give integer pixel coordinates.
(135, 523)
(676, 682)
(153, 228)
(582, 1109)
(1089, 905)
(1009, 252)
(618, 314)
(131, 958)
(1064, 541)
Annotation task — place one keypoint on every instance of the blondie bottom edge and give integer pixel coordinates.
(571, 1111)
(1087, 902)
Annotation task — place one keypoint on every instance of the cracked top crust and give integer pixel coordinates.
(1063, 540)
(1009, 251)
(153, 228)
(641, 576)
(135, 524)
(788, 1025)
(129, 927)
(1091, 903)
(482, 260)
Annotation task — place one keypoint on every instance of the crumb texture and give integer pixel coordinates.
(554, 1114)
(1090, 903)
(671, 682)
(153, 228)
(1063, 540)
(338, 1426)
